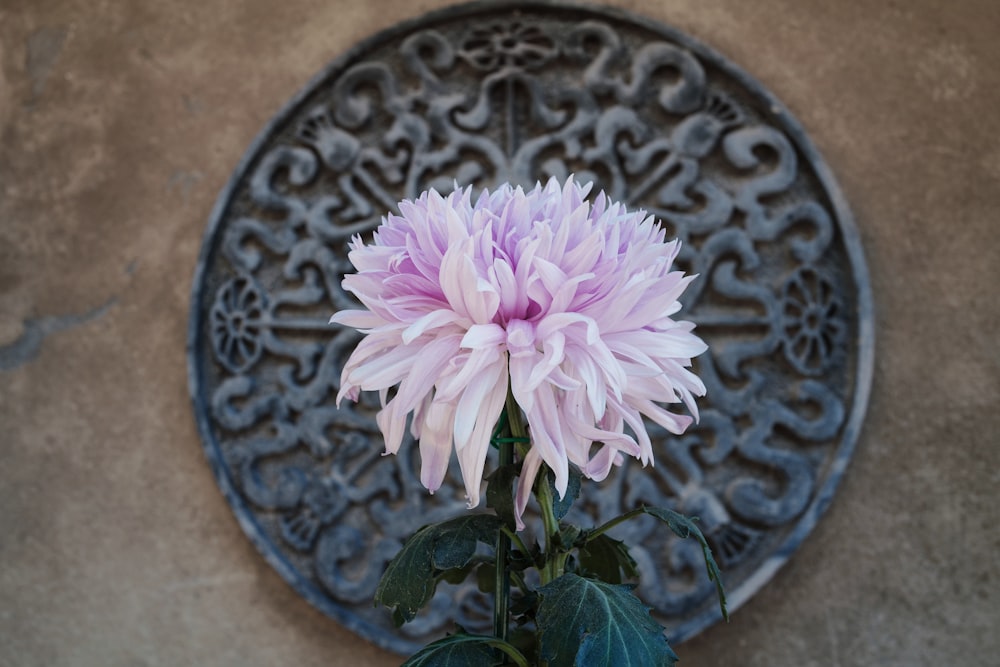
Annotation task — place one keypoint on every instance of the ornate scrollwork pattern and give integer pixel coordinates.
(480, 96)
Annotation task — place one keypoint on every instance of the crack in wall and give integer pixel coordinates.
(27, 346)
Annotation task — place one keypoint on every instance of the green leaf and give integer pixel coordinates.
(463, 650)
(486, 578)
(409, 579)
(584, 622)
(561, 505)
(685, 527)
(455, 539)
(500, 493)
(525, 640)
(457, 575)
(608, 559)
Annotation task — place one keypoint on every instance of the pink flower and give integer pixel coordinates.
(568, 302)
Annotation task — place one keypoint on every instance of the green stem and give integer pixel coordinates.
(515, 424)
(520, 435)
(553, 563)
(518, 431)
(631, 514)
(501, 597)
(519, 580)
(511, 652)
(516, 539)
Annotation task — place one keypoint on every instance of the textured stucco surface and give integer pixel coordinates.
(120, 121)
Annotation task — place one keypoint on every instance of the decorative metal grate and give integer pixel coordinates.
(480, 95)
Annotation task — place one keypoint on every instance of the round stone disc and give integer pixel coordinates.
(485, 94)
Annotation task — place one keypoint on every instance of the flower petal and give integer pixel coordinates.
(568, 303)
(435, 444)
(359, 319)
(472, 457)
(432, 320)
(529, 471)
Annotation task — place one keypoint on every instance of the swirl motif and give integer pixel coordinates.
(477, 96)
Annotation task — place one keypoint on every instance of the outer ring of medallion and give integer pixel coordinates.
(864, 341)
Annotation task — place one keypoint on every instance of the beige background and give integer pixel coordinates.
(120, 121)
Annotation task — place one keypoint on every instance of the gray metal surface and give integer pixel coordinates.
(484, 94)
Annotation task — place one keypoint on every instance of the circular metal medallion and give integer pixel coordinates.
(483, 94)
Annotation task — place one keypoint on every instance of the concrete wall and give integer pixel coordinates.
(121, 120)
